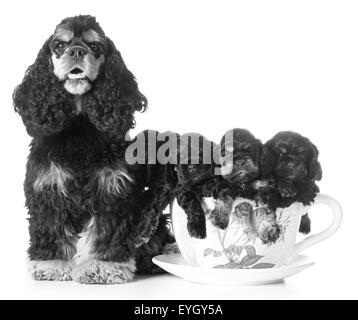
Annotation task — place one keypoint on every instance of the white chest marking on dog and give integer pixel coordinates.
(85, 243)
(114, 180)
(53, 176)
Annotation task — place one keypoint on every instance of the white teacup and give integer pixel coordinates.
(235, 248)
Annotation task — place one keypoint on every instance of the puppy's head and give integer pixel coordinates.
(194, 159)
(78, 50)
(241, 153)
(290, 157)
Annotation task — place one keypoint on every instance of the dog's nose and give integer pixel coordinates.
(239, 163)
(77, 52)
(291, 165)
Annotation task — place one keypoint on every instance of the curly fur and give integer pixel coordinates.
(190, 192)
(235, 145)
(77, 172)
(283, 191)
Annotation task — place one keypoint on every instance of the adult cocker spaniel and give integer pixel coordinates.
(85, 201)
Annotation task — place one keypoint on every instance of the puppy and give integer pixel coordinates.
(196, 180)
(241, 153)
(290, 161)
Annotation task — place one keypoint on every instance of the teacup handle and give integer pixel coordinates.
(326, 233)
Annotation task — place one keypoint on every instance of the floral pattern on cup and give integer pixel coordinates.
(249, 261)
(241, 254)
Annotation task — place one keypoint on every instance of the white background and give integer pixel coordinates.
(206, 66)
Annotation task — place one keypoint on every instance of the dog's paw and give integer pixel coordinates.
(96, 271)
(305, 225)
(197, 227)
(244, 209)
(50, 270)
(219, 218)
(269, 233)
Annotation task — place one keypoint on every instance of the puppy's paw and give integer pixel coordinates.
(219, 218)
(197, 227)
(244, 209)
(51, 270)
(287, 190)
(269, 233)
(96, 271)
(305, 225)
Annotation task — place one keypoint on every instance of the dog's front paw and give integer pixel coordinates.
(269, 233)
(305, 225)
(96, 271)
(244, 209)
(51, 270)
(197, 227)
(219, 218)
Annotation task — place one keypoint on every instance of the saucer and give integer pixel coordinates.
(176, 265)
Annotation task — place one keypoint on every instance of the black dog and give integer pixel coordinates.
(196, 180)
(291, 162)
(240, 167)
(77, 102)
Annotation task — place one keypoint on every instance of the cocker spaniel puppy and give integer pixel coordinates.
(290, 161)
(240, 167)
(158, 177)
(77, 102)
(240, 152)
(196, 180)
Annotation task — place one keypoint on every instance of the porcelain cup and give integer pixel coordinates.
(235, 248)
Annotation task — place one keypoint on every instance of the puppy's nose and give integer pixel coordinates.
(77, 52)
(291, 165)
(239, 163)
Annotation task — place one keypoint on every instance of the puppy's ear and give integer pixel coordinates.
(267, 162)
(41, 99)
(115, 96)
(313, 166)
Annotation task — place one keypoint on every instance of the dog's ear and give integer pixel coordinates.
(115, 96)
(267, 161)
(257, 148)
(313, 166)
(41, 99)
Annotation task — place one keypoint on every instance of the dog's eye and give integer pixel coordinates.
(60, 45)
(93, 46)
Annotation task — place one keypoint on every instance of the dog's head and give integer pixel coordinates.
(290, 157)
(79, 61)
(241, 153)
(194, 162)
(78, 49)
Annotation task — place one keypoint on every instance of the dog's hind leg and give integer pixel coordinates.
(162, 242)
